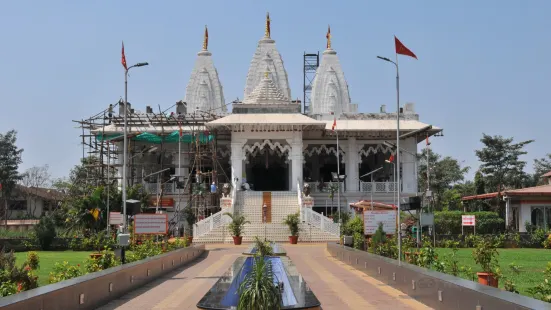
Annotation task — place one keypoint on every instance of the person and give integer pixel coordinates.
(264, 213)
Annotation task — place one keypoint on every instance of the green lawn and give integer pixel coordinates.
(533, 262)
(49, 258)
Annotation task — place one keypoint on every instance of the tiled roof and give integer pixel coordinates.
(543, 190)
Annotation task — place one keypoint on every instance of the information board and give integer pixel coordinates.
(115, 218)
(468, 220)
(151, 224)
(372, 219)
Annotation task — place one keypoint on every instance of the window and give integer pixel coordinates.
(19, 205)
(541, 216)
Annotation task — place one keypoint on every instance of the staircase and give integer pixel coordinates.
(315, 227)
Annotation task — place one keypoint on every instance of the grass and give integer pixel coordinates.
(532, 261)
(49, 258)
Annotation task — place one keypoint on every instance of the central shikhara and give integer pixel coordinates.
(266, 149)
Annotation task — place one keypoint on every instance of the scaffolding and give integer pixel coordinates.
(102, 136)
(311, 64)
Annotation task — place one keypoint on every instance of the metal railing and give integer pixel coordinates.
(168, 188)
(378, 187)
(324, 188)
(216, 220)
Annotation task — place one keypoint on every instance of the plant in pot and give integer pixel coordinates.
(190, 219)
(485, 254)
(292, 221)
(236, 226)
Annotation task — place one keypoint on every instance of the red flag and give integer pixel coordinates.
(334, 124)
(402, 49)
(391, 158)
(123, 59)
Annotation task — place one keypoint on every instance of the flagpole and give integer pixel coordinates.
(338, 180)
(398, 186)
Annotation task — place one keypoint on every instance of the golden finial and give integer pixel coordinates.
(328, 36)
(206, 39)
(267, 33)
(266, 74)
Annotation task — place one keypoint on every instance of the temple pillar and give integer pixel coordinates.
(351, 166)
(408, 162)
(237, 159)
(296, 158)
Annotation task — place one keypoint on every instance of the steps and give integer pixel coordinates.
(282, 204)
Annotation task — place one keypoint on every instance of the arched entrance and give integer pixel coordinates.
(267, 168)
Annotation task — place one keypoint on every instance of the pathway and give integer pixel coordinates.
(336, 285)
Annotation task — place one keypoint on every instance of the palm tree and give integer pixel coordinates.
(258, 291)
(236, 226)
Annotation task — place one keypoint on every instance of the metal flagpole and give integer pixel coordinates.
(108, 182)
(399, 187)
(124, 147)
(338, 179)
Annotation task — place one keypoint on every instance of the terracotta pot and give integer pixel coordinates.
(237, 240)
(96, 255)
(487, 278)
(189, 239)
(293, 239)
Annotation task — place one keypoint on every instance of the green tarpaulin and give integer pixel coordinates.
(155, 139)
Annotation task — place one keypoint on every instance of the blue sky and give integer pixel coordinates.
(483, 65)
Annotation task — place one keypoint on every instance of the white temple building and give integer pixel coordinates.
(267, 149)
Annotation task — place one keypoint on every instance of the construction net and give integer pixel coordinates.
(173, 137)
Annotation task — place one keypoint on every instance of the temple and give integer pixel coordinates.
(265, 158)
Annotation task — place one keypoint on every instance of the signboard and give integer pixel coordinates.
(468, 220)
(115, 218)
(308, 202)
(150, 224)
(372, 219)
(164, 203)
(427, 219)
(225, 202)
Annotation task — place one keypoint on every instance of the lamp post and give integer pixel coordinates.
(125, 142)
(397, 147)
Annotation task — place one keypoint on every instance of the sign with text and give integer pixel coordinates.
(115, 218)
(372, 219)
(468, 220)
(164, 203)
(152, 224)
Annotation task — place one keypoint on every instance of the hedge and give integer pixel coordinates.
(449, 222)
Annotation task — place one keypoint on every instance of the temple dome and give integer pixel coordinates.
(204, 91)
(266, 92)
(266, 55)
(329, 89)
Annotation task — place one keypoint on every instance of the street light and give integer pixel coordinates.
(397, 153)
(125, 142)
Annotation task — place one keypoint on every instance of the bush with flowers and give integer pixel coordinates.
(13, 278)
(106, 260)
(64, 271)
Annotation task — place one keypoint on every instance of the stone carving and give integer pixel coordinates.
(226, 190)
(306, 190)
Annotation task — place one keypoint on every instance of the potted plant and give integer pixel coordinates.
(293, 220)
(236, 226)
(190, 219)
(485, 254)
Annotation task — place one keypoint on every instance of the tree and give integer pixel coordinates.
(444, 172)
(10, 158)
(541, 167)
(34, 179)
(479, 183)
(501, 164)
(451, 198)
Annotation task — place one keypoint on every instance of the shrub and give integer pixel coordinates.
(107, 260)
(543, 290)
(15, 278)
(146, 249)
(485, 254)
(449, 222)
(258, 290)
(64, 271)
(45, 232)
(177, 243)
(33, 261)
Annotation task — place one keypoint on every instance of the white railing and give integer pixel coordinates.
(299, 196)
(325, 224)
(315, 187)
(378, 187)
(212, 222)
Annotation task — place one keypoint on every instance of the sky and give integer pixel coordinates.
(483, 66)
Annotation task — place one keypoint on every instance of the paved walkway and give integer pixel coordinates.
(336, 285)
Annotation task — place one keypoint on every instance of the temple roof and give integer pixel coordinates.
(266, 55)
(377, 124)
(266, 92)
(269, 119)
(204, 91)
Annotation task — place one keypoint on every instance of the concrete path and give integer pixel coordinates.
(336, 285)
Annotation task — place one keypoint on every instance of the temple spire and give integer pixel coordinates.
(267, 31)
(206, 39)
(328, 36)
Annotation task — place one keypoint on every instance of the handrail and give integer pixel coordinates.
(299, 195)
